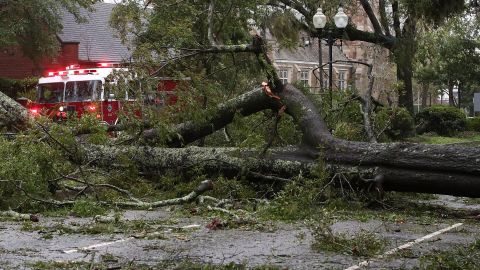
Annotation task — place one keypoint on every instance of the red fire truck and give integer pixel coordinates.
(79, 90)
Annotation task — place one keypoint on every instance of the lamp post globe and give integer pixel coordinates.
(319, 19)
(341, 19)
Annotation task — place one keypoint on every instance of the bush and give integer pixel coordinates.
(349, 131)
(473, 124)
(444, 120)
(11, 87)
(396, 123)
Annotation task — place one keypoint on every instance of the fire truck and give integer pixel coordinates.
(77, 90)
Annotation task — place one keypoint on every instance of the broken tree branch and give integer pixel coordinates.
(192, 196)
(18, 216)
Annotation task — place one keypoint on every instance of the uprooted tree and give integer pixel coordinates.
(388, 166)
(220, 94)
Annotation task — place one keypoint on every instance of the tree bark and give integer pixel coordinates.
(459, 93)
(246, 104)
(451, 98)
(404, 52)
(12, 114)
(408, 167)
(425, 88)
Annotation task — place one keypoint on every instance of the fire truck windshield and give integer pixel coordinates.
(82, 90)
(50, 92)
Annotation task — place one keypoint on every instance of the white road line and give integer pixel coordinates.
(188, 227)
(97, 245)
(407, 245)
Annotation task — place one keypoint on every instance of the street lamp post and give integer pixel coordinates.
(319, 22)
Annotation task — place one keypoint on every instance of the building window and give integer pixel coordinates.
(284, 76)
(341, 80)
(304, 80)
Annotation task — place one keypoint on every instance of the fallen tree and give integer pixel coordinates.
(389, 166)
(12, 115)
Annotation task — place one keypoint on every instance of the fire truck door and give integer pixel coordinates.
(110, 109)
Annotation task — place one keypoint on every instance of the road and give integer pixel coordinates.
(153, 238)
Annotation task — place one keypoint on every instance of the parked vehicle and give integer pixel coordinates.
(76, 91)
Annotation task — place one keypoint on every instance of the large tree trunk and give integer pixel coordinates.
(425, 88)
(246, 104)
(461, 85)
(405, 74)
(404, 52)
(397, 166)
(12, 114)
(451, 98)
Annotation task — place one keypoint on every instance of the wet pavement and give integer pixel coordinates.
(285, 245)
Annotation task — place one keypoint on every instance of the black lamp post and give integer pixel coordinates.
(319, 21)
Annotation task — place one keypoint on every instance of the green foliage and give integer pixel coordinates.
(233, 189)
(301, 198)
(435, 139)
(345, 118)
(397, 123)
(362, 243)
(443, 51)
(105, 263)
(30, 165)
(473, 124)
(12, 87)
(284, 26)
(39, 156)
(435, 11)
(34, 24)
(86, 208)
(458, 258)
(349, 131)
(443, 120)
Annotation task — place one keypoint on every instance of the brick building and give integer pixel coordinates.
(80, 43)
(301, 65)
(293, 64)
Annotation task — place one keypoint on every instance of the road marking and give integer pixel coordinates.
(404, 246)
(104, 244)
(97, 245)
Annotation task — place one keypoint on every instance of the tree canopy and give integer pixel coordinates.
(33, 24)
(449, 57)
(159, 25)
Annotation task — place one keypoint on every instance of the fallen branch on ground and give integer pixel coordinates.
(19, 216)
(204, 186)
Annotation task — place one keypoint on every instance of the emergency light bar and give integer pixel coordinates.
(73, 67)
(72, 72)
(76, 69)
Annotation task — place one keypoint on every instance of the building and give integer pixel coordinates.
(87, 43)
(383, 70)
(300, 65)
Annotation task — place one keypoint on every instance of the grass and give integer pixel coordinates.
(461, 258)
(362, 243)
(106, 263)
(143, 227)
(435, 139)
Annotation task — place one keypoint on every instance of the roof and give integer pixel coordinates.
(98, 42)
